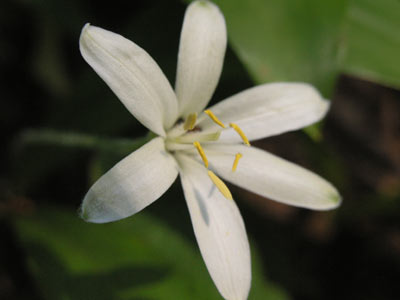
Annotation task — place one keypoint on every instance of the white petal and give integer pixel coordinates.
(132, 75)
(219, 230)
(131, 185)
(272, 177)
(267, 110)
(201, 54)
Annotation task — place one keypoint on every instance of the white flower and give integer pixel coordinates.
(191, 143)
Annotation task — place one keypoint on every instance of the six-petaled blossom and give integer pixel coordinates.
(197, 144)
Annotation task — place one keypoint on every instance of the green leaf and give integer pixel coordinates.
(287, 40)
(373, 41)
(313, 40)
(136, 258)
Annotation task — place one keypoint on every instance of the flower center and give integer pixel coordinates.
(186, 136)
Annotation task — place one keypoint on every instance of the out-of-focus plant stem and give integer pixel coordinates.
(80, 140)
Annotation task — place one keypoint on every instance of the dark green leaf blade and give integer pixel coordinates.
(136, 258)
(373, 41)
(287, 40)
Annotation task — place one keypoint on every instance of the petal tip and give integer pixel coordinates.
(83, 36)
(84, 29)
(94, 210)
(84, 211)
(204, 3)
(85, 26)
(336, 200)
(83, 214)
(207, 7)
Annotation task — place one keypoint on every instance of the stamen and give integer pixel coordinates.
(190, 121)
(235, 163)
(201, 153)
(220, 185)
(214, 118)
(241, 133)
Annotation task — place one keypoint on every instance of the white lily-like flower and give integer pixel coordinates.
(198, 144)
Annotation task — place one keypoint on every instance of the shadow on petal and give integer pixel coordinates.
(202, 206)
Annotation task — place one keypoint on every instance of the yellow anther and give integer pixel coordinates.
(214, 118)
(190, 122)
(220, 185)
(201, 153)
(241, 133)
(235, 163)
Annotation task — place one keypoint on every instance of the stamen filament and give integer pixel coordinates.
(235, 163)
(241, 133)
(201, 153)
(220, 185)
(190, 122)
(214, 118)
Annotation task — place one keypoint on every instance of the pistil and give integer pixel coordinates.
(187, 133)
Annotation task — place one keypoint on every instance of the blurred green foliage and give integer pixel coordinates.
(287, 40)
(373, 41)
(136, 258)
(314, 40)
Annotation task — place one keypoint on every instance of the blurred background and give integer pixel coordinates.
(62, 128)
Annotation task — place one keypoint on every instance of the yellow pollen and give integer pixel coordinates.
(201, 153)
(235, 163)
(214, 118)
(241, 133)
(220, 185)
(190, 122)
